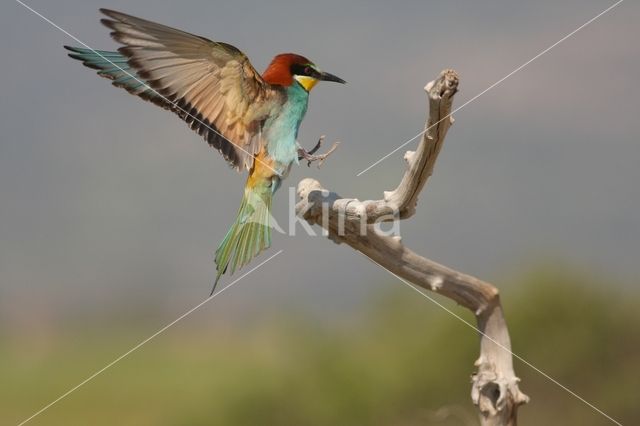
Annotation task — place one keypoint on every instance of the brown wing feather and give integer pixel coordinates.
(210, 85)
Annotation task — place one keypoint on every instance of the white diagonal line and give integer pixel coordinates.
(173, 104)
(139, 345)
(491, 87)
(467, 323)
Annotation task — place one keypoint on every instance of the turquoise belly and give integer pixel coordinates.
(281, 131)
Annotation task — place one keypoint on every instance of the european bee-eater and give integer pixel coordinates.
(252, 120)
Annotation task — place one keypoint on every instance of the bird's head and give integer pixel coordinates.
(288, 68)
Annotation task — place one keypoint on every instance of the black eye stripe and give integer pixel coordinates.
(299, 69)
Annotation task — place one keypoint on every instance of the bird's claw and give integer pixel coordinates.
(310, 156)
(317, 146)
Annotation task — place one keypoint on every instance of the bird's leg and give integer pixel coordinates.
(317, 147)
(304, 154)
(310, 155)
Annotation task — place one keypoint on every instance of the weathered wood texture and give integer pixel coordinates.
(495, 388)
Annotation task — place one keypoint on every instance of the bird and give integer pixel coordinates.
(252, 119)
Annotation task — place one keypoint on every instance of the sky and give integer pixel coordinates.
(112, 207)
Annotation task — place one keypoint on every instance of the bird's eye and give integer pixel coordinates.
(308, 70)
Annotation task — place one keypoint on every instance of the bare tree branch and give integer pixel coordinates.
(495, 388)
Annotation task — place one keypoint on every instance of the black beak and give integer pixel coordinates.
(325, 76)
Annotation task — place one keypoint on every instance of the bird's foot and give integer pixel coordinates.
(311, 156)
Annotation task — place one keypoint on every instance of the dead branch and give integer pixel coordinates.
(495, 388)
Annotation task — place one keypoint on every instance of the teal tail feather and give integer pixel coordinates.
(250, 233)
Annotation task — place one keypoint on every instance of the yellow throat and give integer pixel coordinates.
(306, 82)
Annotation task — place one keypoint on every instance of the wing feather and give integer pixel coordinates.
(210, 85)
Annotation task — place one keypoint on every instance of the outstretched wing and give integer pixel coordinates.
(211, 85)
(115, 67)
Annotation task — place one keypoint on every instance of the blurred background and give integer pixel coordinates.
(111, 209)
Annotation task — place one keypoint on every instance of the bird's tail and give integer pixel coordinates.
(251, 231)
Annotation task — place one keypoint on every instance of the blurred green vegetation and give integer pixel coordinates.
(403, 361)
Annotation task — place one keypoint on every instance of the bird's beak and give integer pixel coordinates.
(325, 76)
